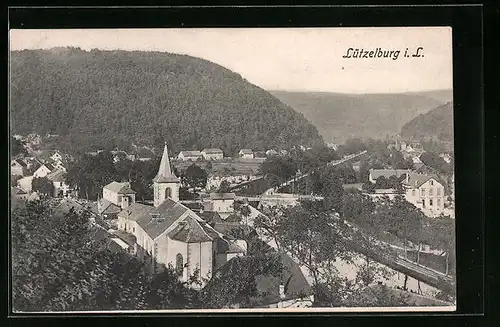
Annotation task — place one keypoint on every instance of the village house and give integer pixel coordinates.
(43, 170)
(115, 197)
(387, 173)
(246, 154)
(222, 203)
(58, 179)
(426, 193)
(170, 233)
(212, 154)
(18, 167)
(189, 155)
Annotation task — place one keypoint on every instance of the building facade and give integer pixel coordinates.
(212, 154)
(426, 193)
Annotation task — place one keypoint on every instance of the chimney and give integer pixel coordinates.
(282, 291)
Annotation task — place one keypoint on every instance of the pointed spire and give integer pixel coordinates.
(165, 174)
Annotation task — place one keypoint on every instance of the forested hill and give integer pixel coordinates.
(340, 116)
(108, 98)
(437, 124)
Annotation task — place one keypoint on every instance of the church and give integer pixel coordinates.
(169, 233)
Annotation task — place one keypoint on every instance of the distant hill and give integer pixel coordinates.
(435, 124)
(340, 116)
(102, 99)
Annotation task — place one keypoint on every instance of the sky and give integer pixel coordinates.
(293, 59)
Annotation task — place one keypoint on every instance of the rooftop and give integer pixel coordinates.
(212, 150)
(120, 188)
(376, 173)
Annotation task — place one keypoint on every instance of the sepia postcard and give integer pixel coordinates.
(232, 170)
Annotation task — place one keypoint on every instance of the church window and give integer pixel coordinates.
(430, 202)
(438, 191)
(413, 192)
(168, 193)
(179, 264)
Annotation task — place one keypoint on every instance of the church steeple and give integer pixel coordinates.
(165, 174)
(166, 184)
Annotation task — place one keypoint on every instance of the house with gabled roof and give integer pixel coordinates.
(189, 155)
(212, 154)
(426, 192)
(18, 167)
(169, 232)
(43, 170)
(246, 154)
(58, 179)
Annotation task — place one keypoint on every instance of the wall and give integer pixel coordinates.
(200, 255)
(110, 196)
(223, 205)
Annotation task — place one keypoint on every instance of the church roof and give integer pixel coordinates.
(190, 231)
(161, 218)
(120, 188)
(210, 216)
(165, 174)
(135, 211)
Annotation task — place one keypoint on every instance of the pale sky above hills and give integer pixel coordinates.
(295, 59)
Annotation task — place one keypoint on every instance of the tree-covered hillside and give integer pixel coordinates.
(341, 116)
(435, 124)
(108, 98)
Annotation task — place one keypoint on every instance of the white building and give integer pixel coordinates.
(212, 154)
(43, 170)
(222, 203)
(246, 154)
(189, 155)
(58, 179)
(426, 193)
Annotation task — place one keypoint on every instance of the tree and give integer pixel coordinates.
(270, 223)
(43, 185)
(224, 187)
(60, 261)
(277, 170)
(17, 147)
(195, 177)
(235, 284)
(332, 189)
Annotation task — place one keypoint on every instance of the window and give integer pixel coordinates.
(413, 192)
(133, 229)
(168, 193)
(431, 191)
(430, 202)
(179, 264)
(423, 203)
(438, 202)
(432, 182)
(423, 192)
(438, 191)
